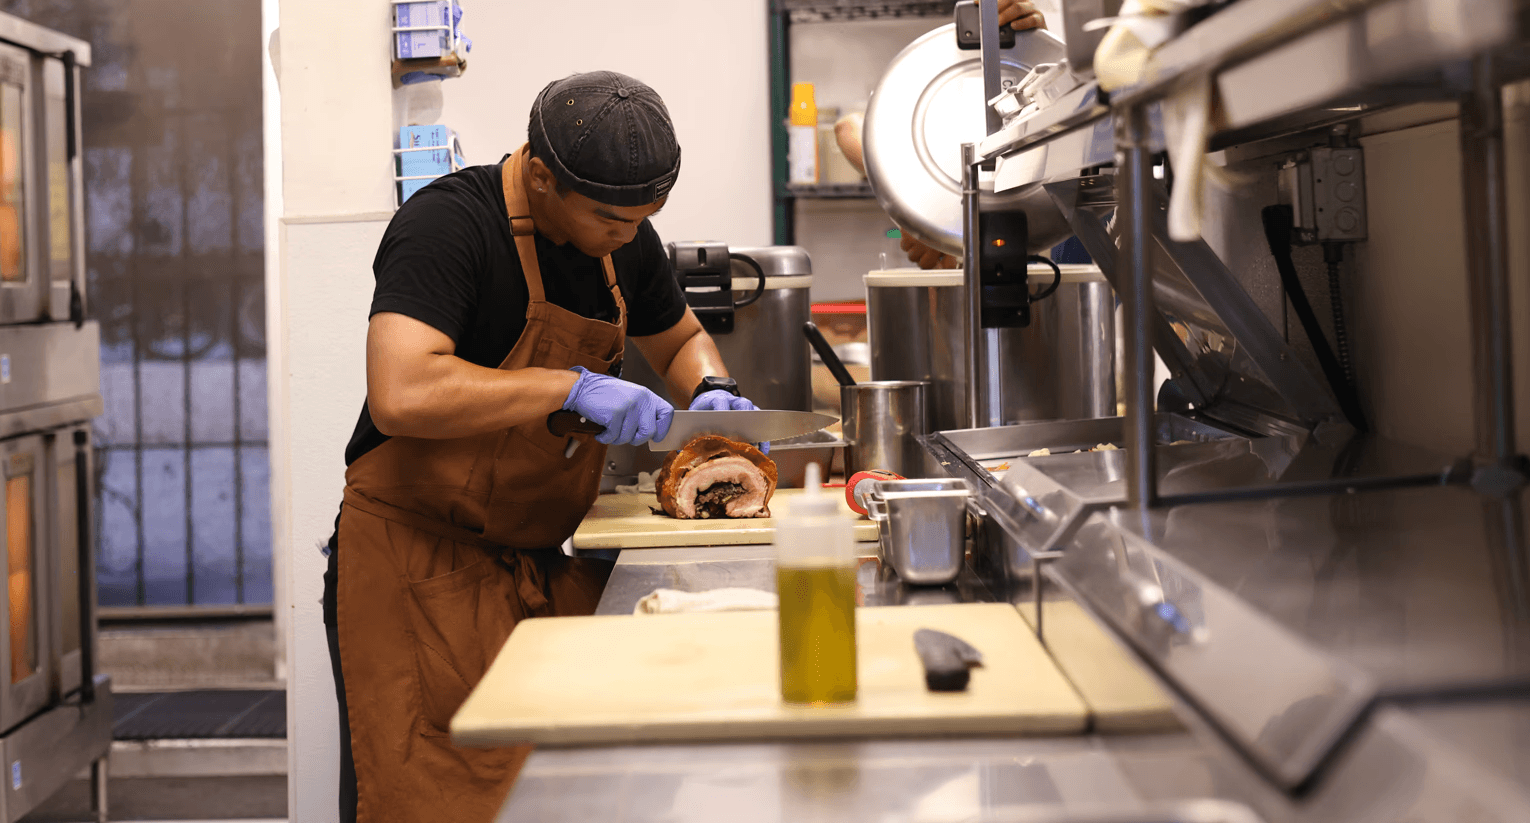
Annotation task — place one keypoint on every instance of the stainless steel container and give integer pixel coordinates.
(1062, 366)
(923, 527)
(766, 352)
(882, 421)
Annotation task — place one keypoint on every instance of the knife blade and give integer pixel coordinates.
(758, 426)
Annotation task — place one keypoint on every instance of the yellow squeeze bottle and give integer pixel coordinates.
(802, 136)
(815, 579)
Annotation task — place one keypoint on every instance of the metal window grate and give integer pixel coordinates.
(175, 254)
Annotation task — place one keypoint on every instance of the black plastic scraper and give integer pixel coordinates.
(946, 660)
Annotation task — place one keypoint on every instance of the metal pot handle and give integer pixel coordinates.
(876, 507)
(759, 289)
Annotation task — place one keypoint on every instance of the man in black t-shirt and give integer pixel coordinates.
(504, 294)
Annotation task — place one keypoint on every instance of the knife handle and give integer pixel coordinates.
(565, 423)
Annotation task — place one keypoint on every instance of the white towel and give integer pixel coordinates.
(670, 601)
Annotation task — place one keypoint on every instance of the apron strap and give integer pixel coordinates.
(518, 210)
(530, 581)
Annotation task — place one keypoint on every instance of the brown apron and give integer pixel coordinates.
(444, 548)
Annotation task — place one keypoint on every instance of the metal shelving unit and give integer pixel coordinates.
(783, 14)
(831, 191)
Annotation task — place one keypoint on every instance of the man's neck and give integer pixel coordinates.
(535, 203)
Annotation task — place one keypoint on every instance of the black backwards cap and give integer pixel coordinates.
(606, 136)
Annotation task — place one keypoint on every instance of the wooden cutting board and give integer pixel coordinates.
(679, 677)
(1122, 697)
(627, 521)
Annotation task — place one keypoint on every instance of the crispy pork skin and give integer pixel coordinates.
(714, 476)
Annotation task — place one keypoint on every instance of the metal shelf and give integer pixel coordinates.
(831, 191)
(1278, 59)
(820, 11)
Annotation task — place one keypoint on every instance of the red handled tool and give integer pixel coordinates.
(859, 485)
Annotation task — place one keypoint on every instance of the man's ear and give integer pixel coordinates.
(542, 178)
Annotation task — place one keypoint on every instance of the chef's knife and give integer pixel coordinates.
(757, 426)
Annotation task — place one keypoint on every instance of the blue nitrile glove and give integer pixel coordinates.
(630, 413)
(719, 400)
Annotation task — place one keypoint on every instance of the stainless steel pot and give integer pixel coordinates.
(1062, 366)
(882, 420)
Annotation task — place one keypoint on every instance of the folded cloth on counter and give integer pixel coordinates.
(645, 484)
(669, 601)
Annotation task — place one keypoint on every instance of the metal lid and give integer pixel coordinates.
(777, 261)
(927, 104)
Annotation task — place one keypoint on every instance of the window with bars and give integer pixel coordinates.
(175, 251)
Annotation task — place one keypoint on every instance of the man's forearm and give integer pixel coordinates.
(451, 398)
(697, 358)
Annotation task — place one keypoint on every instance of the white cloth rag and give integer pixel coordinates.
(646, 484)
(671, 601)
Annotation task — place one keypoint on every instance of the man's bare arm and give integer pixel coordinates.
(682, 356)
(418, 387)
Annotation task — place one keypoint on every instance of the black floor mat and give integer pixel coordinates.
(201, 715)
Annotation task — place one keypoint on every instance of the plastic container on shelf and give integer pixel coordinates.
(802, 137)
(815, 581)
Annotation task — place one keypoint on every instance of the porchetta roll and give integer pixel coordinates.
(714, 476)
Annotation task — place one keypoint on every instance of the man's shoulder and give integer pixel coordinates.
(475, 188)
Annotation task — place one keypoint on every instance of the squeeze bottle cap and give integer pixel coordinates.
(813, 503)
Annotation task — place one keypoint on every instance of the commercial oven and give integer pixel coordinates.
(55, 711)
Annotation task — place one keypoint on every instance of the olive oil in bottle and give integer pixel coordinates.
(815, 580)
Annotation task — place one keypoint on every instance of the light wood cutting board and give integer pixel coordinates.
(1122, 697)
(677, 677)
(627, 521)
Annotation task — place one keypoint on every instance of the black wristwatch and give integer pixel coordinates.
(709, 383)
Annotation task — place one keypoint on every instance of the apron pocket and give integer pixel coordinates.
(555, 355)
(460, 619)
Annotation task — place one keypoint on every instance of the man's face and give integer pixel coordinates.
(594, 228)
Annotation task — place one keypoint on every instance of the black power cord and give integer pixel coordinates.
(1056, 277)
(1278, 226)
(1333, 255)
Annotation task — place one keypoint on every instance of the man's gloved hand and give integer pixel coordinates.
(630, 413)
(720, 400)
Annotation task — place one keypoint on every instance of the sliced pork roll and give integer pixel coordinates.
(713, 476)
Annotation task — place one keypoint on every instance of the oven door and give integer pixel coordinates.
(24, 282)
(26, 643)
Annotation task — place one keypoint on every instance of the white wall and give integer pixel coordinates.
(706, 59)
(329, 183)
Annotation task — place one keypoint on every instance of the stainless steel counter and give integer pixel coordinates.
(639, 572)
(927, 780)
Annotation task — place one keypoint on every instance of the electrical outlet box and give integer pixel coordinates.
(1326, 190)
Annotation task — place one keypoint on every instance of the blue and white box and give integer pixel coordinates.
(425, 153)
(430, 42)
